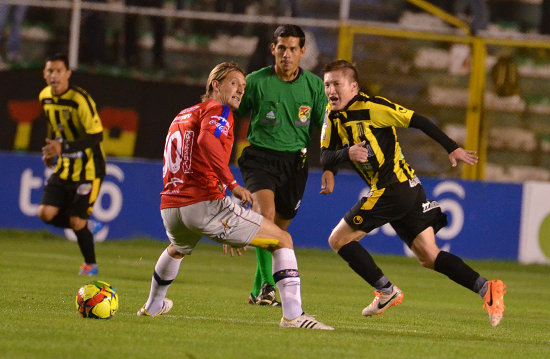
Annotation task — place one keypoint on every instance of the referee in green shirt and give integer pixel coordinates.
(283, 103)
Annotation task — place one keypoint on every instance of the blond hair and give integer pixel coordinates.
(219, 73)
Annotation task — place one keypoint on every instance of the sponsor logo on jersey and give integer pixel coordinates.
(184, 116)
(270, 115)
(188, 139)
(84, 189)
(66, 114)
(174, 181)
(357, 219)
(189, 109)
(401, 109)
(73, 155)
(325, 127)
(304, 113)
(370, 151)
(221, 124)
(428, 206)
(324, 130)
(298, 205)
(414, 181)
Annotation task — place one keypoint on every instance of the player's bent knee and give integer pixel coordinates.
(285, 241)
(77, 223)
(426, 260)
(173, 252)
(336, 242)
(45, 217)
(427, 263)
(46, 213)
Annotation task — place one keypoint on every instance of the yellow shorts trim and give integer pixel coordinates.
(372, 199)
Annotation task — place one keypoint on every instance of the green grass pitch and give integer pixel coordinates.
(211, 317)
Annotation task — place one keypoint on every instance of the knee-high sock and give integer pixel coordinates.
(257, 284)
(287, 279)
(85, 241)
(166, 271)
(363, 264)
(458, 271)
(263, 270)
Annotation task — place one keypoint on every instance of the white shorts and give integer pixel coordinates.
(221, 220)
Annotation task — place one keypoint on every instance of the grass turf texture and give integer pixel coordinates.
(211, 317)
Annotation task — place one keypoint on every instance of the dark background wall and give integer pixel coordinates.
(135, 113)
(141, 109)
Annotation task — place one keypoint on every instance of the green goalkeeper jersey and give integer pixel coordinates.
(281, 113)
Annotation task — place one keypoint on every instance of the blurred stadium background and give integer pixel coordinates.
(403, 52)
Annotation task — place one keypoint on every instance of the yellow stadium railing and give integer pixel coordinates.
(476, 127)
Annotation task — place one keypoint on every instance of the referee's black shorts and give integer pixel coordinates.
(403, 205)
(74, 198)
(284, 173)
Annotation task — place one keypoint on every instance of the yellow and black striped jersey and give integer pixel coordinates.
(373, 120)
(73, 117)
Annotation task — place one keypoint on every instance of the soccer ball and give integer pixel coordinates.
(97, 300)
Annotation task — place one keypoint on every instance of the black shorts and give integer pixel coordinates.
(76, 199)
(402, 205)
(283, 173)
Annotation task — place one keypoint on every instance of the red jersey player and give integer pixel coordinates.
(196, 153)
(193, 201)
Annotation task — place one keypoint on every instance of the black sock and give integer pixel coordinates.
(86, 244)
(458, 271)
(361, 262)
(61, 220)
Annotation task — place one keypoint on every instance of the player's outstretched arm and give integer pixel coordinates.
(463, 155)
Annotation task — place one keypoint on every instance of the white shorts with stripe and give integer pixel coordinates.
(221, 220)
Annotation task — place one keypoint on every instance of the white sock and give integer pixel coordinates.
(166, 271)
(289, 287)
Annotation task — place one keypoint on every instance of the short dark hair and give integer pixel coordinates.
(59, 57)
(345, 66)
(288, 31)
